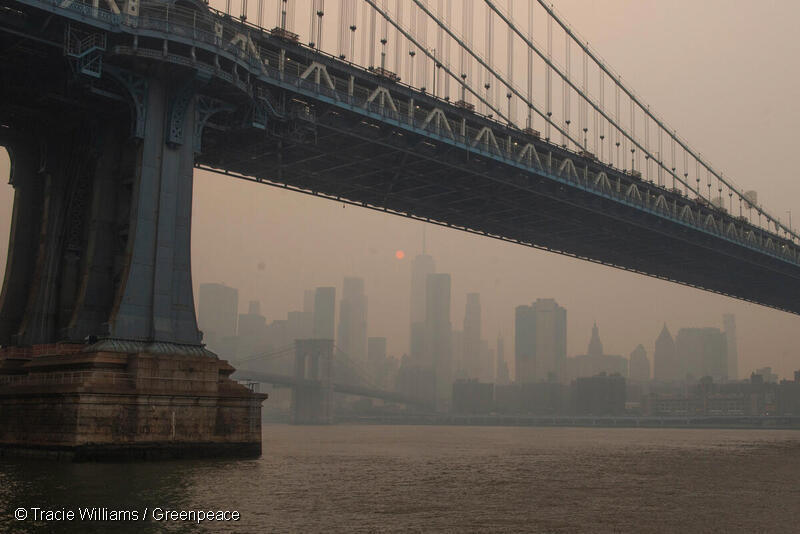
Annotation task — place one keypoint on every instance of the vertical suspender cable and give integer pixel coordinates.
(372, 30)
(565, 86)
(584, 106)
(530, 65)
(510, 63)
(399, 40)
(549, 76)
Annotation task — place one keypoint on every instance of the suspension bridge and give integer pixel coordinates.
(513, 128)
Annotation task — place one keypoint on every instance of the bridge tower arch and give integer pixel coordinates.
(312, 396)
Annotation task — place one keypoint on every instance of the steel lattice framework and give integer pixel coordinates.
(272, 110)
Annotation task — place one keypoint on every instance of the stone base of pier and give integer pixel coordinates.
(121, 400)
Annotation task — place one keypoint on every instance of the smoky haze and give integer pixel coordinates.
(723, 73)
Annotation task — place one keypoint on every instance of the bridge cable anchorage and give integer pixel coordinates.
(617, 79)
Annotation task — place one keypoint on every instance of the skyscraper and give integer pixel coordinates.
(703, 352)
(595, 362)
(540, 348)
(438, 332)
(352, 338)
(666, 367)
(729, 324)
(471, 361)
(422, 266)
(324, 312)
(501, 374)
(639, 368)
(217, 313)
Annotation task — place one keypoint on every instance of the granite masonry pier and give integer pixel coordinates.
(121, 400)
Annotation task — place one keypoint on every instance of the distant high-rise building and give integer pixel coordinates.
(422, 266)
(471, 359)
(595, 345)
(438, 336)
(639, 367)
(324, 312)
(308, 300)
(703, 351)
(502, 376)
(352, 331)
(377, 360)
(729, 324)
(217, 314)
(666, 367)
(595, 362)
(251, 331)
(540, 346)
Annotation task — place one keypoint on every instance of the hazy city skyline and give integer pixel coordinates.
(272, 244)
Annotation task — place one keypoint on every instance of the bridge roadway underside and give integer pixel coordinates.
(388, 168)
(348, 154)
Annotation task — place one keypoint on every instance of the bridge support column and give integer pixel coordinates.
(312, 396)
(101, 355)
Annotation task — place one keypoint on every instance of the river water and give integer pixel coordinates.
(363, 478)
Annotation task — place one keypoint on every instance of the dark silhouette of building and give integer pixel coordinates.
(666, 367)
(639, 366)
(438, 337)
(324, 312)
(471, 356)
(352, 331)
(473, 397)
(540, 348)
(502, 376)
(729, 326)
(599, 395)
(703, 352)
(217, 314)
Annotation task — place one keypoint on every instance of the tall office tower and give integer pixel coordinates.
(251, 331)
(438, 337)
(487, 365)
(299, 325)
(471, 356)
(595, 345)
(352, 338)
(308, 300)
(639, 367)
(666, 367)
(324, 312)
(376, 360)
(540, 342)
(217, 314)
(502, 376)
(422, 266)
(729, 324)
(704, 353)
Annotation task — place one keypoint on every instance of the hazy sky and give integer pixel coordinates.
(723, 73)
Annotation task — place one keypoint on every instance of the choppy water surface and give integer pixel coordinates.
(458, 479)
